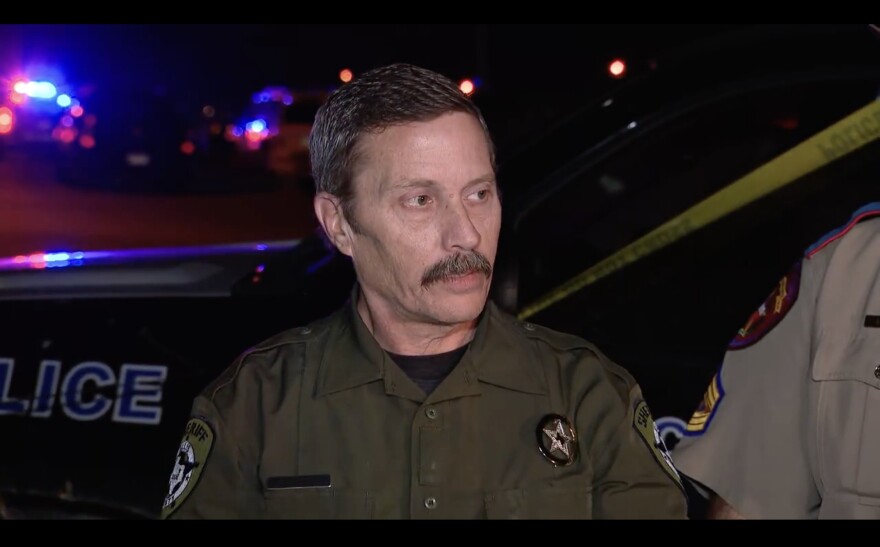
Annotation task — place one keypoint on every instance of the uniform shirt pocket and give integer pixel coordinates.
(868, 474)
(849, 415)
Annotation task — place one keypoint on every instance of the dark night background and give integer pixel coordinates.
(225, 61)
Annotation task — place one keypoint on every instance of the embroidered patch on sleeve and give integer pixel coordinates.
(643, 422)
(702, 417)
(771, 312)
(188, 464)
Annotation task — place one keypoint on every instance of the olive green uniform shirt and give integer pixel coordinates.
(319, 422)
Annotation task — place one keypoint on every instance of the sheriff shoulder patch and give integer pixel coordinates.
(702, 417)
(643, 422)
(188, 464)
(771, 312)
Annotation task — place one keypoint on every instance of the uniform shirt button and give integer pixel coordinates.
(306, 330)
(430, 503)
(528, 326)
(877, 371)
(432, 413)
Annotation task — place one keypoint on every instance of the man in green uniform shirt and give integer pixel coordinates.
(419, 399)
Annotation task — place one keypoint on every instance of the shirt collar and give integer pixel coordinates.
(499, 355)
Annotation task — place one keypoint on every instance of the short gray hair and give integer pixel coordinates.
(383, 97)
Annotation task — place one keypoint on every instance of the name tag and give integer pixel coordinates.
(299, 481)
(872, 321)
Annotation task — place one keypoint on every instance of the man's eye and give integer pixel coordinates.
(418, 201)
(480, 195)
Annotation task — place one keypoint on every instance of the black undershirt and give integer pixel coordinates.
(427, 371)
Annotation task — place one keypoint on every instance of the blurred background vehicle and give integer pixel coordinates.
(32, 101)
(7, 124)
(125, 138)
(274, 131)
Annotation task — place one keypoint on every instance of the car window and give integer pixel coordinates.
(674, 165)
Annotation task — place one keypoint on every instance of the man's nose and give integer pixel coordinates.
(459, 231)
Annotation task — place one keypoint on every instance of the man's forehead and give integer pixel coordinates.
(449, 151)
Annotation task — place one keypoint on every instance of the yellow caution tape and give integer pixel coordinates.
(849, 134)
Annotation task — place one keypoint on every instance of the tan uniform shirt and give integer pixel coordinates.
(790, 427)
(320, 423)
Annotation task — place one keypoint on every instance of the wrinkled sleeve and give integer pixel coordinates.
(747, 440)
(215, 472)
(634, 478)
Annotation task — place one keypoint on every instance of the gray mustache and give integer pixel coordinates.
(456, 265)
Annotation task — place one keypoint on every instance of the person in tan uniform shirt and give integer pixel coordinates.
(418, 399)
(790, 425)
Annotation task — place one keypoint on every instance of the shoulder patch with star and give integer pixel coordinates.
(188, 464)
(771, 312)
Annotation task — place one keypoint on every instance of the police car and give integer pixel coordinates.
(104, 351)
(31, 106)
(274, 130)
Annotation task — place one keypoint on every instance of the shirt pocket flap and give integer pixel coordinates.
(844, 358)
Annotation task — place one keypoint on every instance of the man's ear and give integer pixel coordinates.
(329, 213)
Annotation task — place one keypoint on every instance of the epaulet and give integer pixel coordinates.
(559, 340)
(290, 336)
(566, 342)
(284, 338)
(868, 211)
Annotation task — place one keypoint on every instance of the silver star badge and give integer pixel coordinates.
(559, 438)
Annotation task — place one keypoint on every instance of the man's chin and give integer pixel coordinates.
(458, 308)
